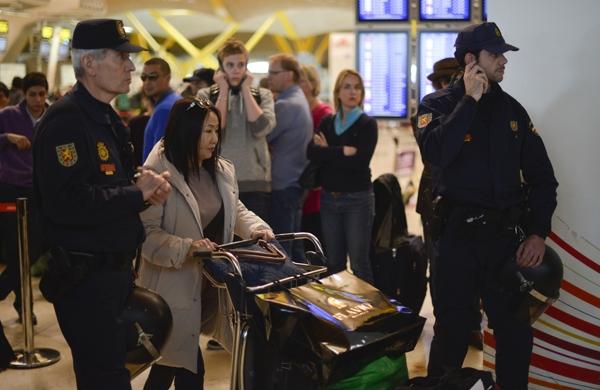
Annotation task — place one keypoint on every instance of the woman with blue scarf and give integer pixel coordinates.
(343, 148)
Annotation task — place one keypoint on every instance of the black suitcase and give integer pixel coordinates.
(401, 272)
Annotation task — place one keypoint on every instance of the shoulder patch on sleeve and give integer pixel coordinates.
(67, 154)
(424, 120)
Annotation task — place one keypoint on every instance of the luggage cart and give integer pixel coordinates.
(320, 362)
(238, 299)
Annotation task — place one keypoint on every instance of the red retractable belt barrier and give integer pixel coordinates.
(8, 207)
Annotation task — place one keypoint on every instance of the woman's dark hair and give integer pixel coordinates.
(184, 129)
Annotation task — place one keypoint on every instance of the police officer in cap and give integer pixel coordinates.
(488, 150)
(89, 203)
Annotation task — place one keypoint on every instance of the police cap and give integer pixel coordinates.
(482, 36)
(102, 34)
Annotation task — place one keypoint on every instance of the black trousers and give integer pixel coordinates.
(88, 316)
(467, 269)
(10, 279)
(161, 377)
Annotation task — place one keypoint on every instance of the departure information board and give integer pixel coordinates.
(383, 63)
(382, 10)
(433, 46)
(445, 9)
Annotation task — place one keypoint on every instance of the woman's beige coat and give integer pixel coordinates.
(166, 269)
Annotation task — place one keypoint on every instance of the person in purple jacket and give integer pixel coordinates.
(16, 164)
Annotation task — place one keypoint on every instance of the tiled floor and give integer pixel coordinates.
(60, 375)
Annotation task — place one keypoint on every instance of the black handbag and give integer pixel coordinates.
(309, 179)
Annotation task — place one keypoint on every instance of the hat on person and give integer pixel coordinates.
(444, 68)
(482, 36)
(204, 74)
(102, 34)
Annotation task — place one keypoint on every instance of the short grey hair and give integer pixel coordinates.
(78, 54)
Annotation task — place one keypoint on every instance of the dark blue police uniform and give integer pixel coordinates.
(89, 207)
(485, 150)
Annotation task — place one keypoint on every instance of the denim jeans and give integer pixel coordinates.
(285, 210)
(347, 220)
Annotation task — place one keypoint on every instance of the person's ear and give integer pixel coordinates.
(88, 62)
(470, 57)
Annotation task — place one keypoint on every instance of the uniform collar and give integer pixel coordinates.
(98, 111)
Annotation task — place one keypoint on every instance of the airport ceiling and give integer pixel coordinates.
(198, 18)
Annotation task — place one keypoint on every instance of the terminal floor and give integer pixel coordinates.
(60, 376)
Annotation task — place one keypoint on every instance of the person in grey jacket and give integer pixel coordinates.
(248, 116)
(202, 211)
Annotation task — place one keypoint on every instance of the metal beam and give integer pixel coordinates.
(141, 30)
(175, 34)
(215, 44)
(260, 33)
(221, 11)
(321, 49)
(283, 44)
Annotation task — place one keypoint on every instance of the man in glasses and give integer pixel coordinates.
(156, 77)
(89, 204)
(288, 143)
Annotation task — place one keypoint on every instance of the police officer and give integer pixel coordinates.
(487, 149)
(89, 204)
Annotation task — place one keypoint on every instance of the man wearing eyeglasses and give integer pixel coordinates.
(89, 204)
(288, 143)
(156, 77)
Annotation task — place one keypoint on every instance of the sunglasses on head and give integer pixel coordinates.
(149, 76)
(201, 103)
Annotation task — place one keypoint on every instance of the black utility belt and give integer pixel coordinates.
(112, 260)
(480, 216)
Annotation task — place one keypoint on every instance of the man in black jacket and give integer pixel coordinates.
(487, 149)
(89, 204)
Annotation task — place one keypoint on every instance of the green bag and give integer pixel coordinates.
(385, 373)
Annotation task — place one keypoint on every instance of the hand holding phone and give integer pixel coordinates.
(220, 78)
(247, 80)
(475, 80)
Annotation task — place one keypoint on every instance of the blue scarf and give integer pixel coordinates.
(351, 117)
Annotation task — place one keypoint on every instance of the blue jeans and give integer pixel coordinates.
(347, 220)
(285, 210)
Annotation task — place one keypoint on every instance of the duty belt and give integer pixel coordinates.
(111, 260)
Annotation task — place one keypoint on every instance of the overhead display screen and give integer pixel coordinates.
(433, 46)
(383, 63)
(445, 9)
(382, 10)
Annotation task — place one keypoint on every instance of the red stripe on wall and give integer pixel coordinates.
(573, 321)
(581, 294)
(578, 349)
(550, 385)
(566, 370)
(574, 252)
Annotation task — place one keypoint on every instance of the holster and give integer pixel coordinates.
(441, 212)
(62, 274)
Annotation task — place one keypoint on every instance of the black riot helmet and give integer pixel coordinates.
(540, 285)
(149, 322)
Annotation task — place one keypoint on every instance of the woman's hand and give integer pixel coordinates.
(349, 151)
(319, 139)
(265, 234)
(203, 244)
